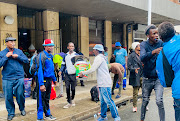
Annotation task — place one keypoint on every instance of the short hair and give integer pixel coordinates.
(148, 28)
(105, 48)
(166, 30)
(70, 43)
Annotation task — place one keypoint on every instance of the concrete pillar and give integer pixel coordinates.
(124, 35)
(83, 35)
(51, 28)
(108, 37)
(130, 36)
(7, 30)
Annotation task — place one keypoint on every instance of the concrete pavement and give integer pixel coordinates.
(84, 106)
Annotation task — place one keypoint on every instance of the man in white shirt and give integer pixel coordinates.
(70, 74)
(104, 83)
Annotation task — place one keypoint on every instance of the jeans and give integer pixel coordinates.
(105, 98)
(18, 87)
(147, 87)
(177, 109)
(70, 82)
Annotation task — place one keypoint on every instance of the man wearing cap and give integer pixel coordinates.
(148, 55)
(12, 59)
(70, 75)
(104, 83)
(121, 58)
(45, 77)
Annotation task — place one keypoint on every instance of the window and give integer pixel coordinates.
(96, 34)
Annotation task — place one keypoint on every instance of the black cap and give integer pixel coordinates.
(10, 39)
(151, 26)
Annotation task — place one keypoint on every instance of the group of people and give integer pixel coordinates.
(154, 64)
(149, 64)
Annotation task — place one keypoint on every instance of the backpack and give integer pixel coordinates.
(168, 72)
(94, 94)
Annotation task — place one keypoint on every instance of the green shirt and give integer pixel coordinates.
(58, 59)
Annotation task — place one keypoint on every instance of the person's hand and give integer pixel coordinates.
(9, 54)
(113, 56)
(156, 51)
(136, 70)
(59, 73)
(126, 67)
(14, 55)
(81, 74)
(119, 82)
(42, 88)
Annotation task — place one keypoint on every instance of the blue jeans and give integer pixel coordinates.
(18, 87)
(177, 109)
(105, 98)
(147, 87)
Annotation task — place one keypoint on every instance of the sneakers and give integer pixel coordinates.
(112, 93)
(23, 112)
(9, 118)
(124, 88)
(134, 109)
(67, 106)
(102, 119)
(73, 103)
(118, 96)
(50, 118)
(147, 108)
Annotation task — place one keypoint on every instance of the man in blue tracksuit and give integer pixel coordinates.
(171, 51)
(45, 77)
(121, 58)
(12, 59)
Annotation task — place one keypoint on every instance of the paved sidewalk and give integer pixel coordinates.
(83, 109)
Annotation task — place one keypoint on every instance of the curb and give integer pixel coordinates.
(90, 113)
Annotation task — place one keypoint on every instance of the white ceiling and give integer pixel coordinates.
(98, 9)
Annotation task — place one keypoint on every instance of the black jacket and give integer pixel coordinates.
(134, 63)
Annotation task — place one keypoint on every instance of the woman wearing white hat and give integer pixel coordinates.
(135, 67)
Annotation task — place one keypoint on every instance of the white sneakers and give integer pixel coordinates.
(73, 103)
(69, 105)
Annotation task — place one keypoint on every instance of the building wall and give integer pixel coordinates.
(51, 28)
(108, 37)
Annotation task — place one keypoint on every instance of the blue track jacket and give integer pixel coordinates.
(172, 52)
(12, 68)
(48, 69)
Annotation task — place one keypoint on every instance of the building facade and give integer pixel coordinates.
(85, 23)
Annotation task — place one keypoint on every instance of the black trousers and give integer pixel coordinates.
(70, 82)
(43, 99)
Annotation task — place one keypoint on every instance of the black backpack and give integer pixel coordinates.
(168, 72)
(94, 94)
